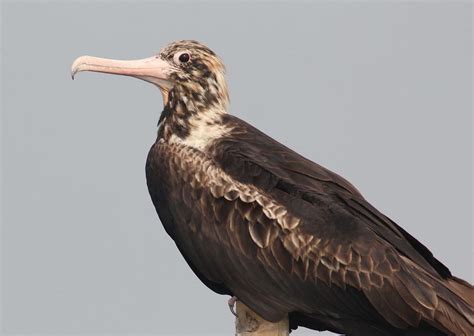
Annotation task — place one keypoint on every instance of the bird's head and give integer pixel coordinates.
(185, 71)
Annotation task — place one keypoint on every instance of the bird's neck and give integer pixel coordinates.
(191, 118)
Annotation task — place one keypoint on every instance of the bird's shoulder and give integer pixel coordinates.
(247, 153)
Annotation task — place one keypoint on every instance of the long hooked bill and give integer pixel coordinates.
(152, 69)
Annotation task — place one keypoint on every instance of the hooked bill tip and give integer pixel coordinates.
(76, 65)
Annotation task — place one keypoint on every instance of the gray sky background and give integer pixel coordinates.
(378, 92)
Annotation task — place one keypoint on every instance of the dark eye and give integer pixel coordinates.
(184, 57)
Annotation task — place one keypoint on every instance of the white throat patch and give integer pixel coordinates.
(204, 128)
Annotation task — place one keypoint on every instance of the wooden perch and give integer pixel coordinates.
(249, 323)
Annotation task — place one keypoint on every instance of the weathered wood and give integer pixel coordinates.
(249, 323)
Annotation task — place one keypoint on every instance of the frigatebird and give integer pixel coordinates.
(257, 221)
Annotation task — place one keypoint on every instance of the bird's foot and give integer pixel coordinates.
(231, 302)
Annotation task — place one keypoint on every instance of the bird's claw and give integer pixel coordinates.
(231, 304)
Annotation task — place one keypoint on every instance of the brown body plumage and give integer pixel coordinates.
(256, 220)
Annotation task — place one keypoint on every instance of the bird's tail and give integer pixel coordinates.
(446, 304)
(455, 311)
